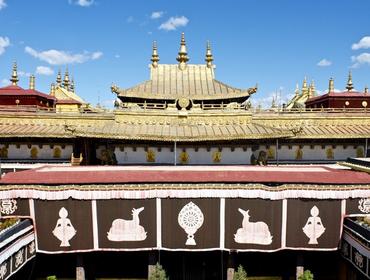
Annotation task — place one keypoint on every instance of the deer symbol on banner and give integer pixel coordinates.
(252, 233)
(128, 230)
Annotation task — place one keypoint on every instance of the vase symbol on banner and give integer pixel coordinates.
(313, 227)
(127, 230)
(253, 233)
(64, 229)
(190, 219)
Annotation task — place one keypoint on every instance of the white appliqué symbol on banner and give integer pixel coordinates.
(364, 205)
(8, 206)
(359, 260)
(18, 258)
(313, 227)
(64, 229)
(3, 271)
(253, 233)
(190, 219)
(127, 230)
(32, 247)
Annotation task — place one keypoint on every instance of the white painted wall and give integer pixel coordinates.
(317, 153)
(238, 156)
(45, 152)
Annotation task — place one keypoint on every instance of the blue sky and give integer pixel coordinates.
(272, 43)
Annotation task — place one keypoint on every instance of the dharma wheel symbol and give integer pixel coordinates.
(190, 219)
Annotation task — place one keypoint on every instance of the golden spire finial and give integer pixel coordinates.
(14, 79)
(349, 86)
(304, 86)
(72, 86)
(32, 82)
(331, 85)
(309, 92)
(66, 80)
(52, 89)
(182, 58)
(296, 89)
(155, 56)
(312, 88)
(273, 103)
(59, 79)
(209, 56)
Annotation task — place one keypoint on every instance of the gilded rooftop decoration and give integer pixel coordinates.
(170, 83)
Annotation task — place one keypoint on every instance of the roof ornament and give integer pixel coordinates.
(273, 103)
(304, 86)
(32, 82)
(312, 89)
(296, 92)
(66, 80)
(14, 79)
(349, 86)
(72, 86)
(182, 58)
(155, 56)
(52, 89)
(331, 85)
(209, 56)
(366, 89)
(59, 79)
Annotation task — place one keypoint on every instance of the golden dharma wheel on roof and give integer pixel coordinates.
(183, 103)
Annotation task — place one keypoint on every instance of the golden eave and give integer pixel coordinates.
(191, 127)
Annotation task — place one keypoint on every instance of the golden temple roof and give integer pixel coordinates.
(183, 80)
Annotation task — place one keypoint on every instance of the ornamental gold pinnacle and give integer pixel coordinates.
(14, 79)
(32, 82)
(155, 56)
(209, 56)
(349, 86)
(182, 58)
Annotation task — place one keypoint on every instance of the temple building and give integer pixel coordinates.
(182, 86)
(15, 96)
(67, 99)
(183, 172)
(301, 96)
(349, 99)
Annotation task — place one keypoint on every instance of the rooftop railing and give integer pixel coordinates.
(140, 107)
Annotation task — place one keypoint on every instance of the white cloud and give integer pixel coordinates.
(363, 58)
(5, 82)
(44, 70)
(4, 43)
(2, 4)
(23, 74)
(364, 43)
(96, 55)
(324, 62)
(265, 101)
(156, 15)
(117, 56)
(173, 23)
(82, 3)
(56, 57)
(130, 19)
